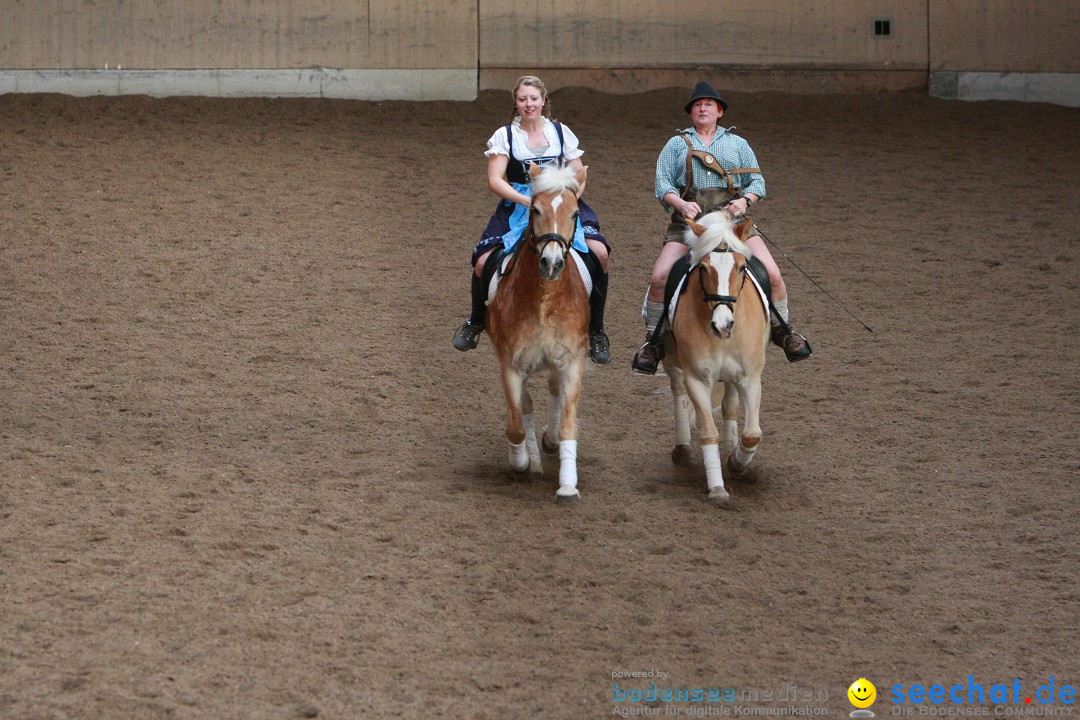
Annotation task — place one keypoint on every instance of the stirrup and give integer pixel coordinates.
(599, 347)
(796, 347)
(647, 359)
(465, 337)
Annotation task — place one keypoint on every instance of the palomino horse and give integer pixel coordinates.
(717, 344)
(539, 320)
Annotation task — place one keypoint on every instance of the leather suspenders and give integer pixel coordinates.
(711, 164)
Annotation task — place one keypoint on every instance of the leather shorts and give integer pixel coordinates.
(709, 199)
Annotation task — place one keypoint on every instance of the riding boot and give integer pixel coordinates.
(648, 357)
(794, 345)
(599, 345)
(465, 337)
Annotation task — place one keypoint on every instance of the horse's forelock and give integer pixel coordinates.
(554, 179)
(718, 231)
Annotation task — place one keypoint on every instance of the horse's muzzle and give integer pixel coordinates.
(722, 331)
(551, 268)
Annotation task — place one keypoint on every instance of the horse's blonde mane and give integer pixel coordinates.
(553, 179)
(718, 231)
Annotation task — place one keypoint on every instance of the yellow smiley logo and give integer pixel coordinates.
(862, 693)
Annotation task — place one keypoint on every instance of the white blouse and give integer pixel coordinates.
(497, 144)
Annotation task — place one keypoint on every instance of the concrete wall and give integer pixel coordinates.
(1005, 36)
(1005, 50)
(198, 34)
(378, 49)
(384, 49)
(633, 45)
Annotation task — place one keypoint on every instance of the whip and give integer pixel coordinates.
(816, 284)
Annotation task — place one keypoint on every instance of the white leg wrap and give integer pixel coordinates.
(530, 439)
(714, 474)
(519, 456)
(781, 308)
(567, 467)
(731, 435)
(744, 455)
(682, 419)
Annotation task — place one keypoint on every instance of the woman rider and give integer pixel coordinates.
(740, 186)
(533, 137)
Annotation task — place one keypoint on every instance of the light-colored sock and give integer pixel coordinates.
(653, 312)
(781, 307)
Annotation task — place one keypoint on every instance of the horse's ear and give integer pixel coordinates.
(535, 170)
(699, 230)
(581, 179)
(744, 229)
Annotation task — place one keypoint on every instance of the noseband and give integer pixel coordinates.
(719, 300)
(540, 242)
(536, 243)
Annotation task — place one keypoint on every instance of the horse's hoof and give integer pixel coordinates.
(568, 499)
(733, 468)
(681, 455)
(549, 447)
(720, 498)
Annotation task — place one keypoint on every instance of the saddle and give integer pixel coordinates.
(498, 264)
(680, 270)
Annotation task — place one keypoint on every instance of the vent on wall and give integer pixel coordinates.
(882, 27)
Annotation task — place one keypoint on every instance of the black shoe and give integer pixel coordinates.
(794, 345)
(599, 347)
(647, 359)
(465, 337)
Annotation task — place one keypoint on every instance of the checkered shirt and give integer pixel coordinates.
(730, 150)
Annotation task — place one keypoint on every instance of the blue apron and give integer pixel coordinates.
(509, 221)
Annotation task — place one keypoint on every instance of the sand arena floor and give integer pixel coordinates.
(244, 475)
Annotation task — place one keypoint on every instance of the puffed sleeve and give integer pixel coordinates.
(571, 151)
(497, 144)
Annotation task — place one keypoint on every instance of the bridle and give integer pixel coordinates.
(718, 300)
(537, 243)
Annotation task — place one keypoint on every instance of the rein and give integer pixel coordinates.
(504, 271)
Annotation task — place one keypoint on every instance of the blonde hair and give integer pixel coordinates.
(532, 81)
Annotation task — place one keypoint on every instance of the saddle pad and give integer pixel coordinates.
(582, 271)
(679, 290)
